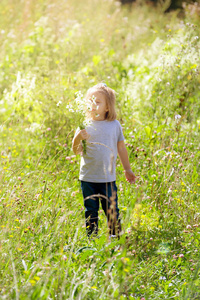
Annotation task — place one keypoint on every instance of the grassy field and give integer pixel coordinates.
(49, 51)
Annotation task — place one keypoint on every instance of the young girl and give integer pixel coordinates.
(104, 139)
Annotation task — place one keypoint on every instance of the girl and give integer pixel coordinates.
(97, 171)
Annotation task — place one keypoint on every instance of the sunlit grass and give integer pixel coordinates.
(50, 50)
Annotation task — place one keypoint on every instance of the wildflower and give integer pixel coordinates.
(196, 225)
(126, 259)
(32, 282)
(59, 102)
(188, 226)
(162, 278)
(36, 278)
(181, 255)
(177, 117)
(48, 129)
(193, 67)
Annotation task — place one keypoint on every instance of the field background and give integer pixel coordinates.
(49, 51)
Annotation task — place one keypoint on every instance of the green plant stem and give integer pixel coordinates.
(83, 141)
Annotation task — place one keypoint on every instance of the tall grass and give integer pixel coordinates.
(49, 51)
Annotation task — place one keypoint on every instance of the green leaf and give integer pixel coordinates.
(148, 131)
(111, 52)
(84, 249)
(96, 59)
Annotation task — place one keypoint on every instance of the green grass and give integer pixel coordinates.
(49, 51)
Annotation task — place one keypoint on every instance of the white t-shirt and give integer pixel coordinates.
(99, 162)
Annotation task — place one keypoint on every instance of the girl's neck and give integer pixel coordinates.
(98, 119)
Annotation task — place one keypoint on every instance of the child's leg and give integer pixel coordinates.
(91, 206)
(111, 207)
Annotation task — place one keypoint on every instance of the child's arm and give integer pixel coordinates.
(123, 155)
(76, 143)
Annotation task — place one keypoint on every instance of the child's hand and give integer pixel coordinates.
(130, 176)
(83, 135)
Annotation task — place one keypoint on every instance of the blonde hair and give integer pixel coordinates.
(109, 96)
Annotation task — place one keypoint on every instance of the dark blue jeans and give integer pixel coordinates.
(107, 194)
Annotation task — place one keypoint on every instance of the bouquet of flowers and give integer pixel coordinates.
(79, 108)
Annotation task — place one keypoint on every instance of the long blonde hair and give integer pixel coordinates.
(109, 96)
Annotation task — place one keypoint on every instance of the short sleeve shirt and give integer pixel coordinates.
(99, 162)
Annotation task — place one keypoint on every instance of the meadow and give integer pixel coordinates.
(49, 51)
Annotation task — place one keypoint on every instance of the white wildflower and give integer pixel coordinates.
(177, 117)
(162, 278)
(59, 102)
